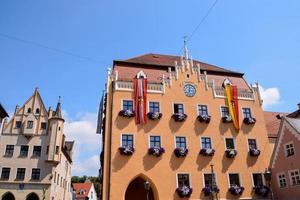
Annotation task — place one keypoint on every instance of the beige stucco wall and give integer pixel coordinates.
(162, 171)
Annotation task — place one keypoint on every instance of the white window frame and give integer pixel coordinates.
(221, 110)
(211, 141)
(161, 143)
(148, 106)
(203, 180)
(197, 110)
(190, 178)
(133, 137)
(278, 180)
(290, 177)
(122, 101)
(186, 142)
(173, 103)
(234, 142)
(243, 112)
(240, 179)
(285, 149)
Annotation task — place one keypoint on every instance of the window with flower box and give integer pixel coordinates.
(154, 107)
(183, 180)
(224, 111)
(127, 140)
(247, 113)
(229, 143)
(252, 143)
(257, 179)
(180, 142)
(294, 177)
(206, 143)
(155, 141)
(178, 108)
(128, 105)
(202, 110)
(289, 149)
(209, 180)
(234, 180)
(281, 180)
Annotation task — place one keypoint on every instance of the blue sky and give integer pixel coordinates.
(259, 38)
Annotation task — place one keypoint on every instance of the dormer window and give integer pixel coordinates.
(37, 111)
(82, 191)
(29, 110)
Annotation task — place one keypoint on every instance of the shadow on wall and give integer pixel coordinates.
(176, 162)
(174, 126)
(150, 161)
(226, 162)
(200, 127)
(122, 122)
(203, 161)
(119, 161)
(224, 127)
(246, 128)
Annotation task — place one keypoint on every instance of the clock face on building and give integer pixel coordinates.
(189, 90)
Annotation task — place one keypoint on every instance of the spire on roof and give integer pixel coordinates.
(186, 55)
(58, 109)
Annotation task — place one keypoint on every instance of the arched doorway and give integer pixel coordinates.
(8, 196)
(136, 190)
(32, 196)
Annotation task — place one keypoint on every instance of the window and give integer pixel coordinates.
(155, 141)
(57, 150)
(35, 174)
(295, 177)
(29, 124)
(24, 151)
(183, 180)
(281, 180)
(178, 108)
(180, 142)
(154, 106)
(29, 110)
(37, 111)
(57, 179)
(20, 173)
(43, 125)
(127, 140)
(47, 150)
(127, 105)
(37, 151)
(206, 143)
(202, 110)
(9, 151)
(54, 180)
(209, 179)
(224, 111)
(229, 143)
(5, 173)
(257, 179)
(252, 144)
(289, 149)
(18, 124)
(247, 113)
(234, 180)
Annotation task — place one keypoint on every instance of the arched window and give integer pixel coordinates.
(37, 111)
(29, 110)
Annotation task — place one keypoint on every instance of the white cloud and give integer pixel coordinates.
(87, 143)
(270, 96)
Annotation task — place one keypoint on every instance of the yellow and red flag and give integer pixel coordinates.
(232, 99)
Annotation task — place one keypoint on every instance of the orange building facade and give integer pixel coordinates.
(169, 132)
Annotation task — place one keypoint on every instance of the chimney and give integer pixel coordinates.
(50, 112)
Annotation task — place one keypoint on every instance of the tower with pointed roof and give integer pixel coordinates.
(37, 160)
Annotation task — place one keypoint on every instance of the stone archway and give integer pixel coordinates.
(136, 190)
(32, 196)
(8, 196)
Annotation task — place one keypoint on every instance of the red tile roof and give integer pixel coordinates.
(272, 122)
(82, 186)
(155, 66)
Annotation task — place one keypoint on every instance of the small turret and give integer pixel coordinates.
(57, 113)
